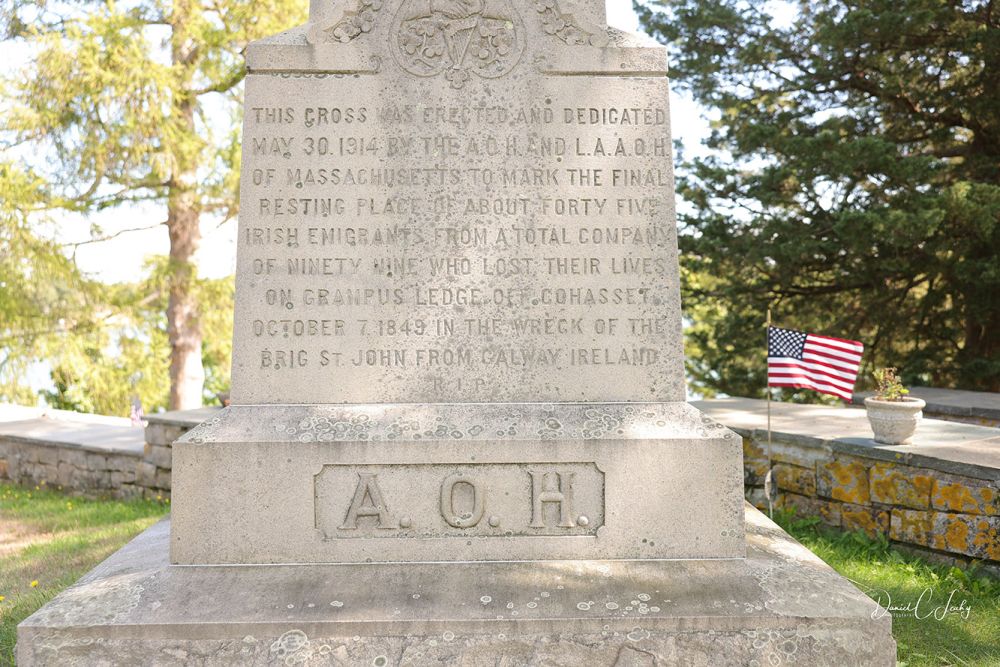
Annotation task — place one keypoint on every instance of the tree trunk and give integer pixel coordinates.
(187, 375)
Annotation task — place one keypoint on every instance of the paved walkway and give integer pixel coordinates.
(935, 438)
(96, 433)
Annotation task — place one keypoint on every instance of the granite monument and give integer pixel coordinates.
(458, 430)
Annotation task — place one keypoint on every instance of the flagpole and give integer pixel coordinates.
(769, 489)
(768, 387)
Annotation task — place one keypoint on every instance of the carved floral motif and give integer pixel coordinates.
(458, 38)
(555, 22)
(360, 20)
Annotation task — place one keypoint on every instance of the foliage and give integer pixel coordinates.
(853, 183)
(887, 385)
(132, 102)
(884, 573)
(42, 294)
(103, 345)
(128, 357)
(101, 94)
(51, 540)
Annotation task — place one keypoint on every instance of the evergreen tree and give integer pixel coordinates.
(853, 185)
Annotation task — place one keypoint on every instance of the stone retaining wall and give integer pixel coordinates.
(949, 509)
(161, 432)
(69, 468)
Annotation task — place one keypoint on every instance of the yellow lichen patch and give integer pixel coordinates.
(954, 538)
(871, 522)
(754, 471)
(751, 450)
(830, 513)
(956, 497)
(846, 481)
(899, 485)
(911, 526)
(795, 479)
(989, 542)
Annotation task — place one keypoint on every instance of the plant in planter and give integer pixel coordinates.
(892, 414)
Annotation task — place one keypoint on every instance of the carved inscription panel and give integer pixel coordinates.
(479, 500)
(404, 241)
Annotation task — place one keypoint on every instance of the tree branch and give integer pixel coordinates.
(108, 237)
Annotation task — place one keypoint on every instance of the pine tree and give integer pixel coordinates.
(854, 183)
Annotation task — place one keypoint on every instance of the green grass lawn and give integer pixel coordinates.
(958, 638)
(49, 540)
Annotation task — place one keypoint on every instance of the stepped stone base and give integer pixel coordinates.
(779, 606)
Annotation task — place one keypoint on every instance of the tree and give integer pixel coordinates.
(139, 102)
(127, 357)
(103, 345)
(41, 292)
(853, 185)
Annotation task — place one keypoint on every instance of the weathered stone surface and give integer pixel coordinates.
(122, 463)
(47, 455)
(781, 605)
(900, 485)
(145, 473)
(791, 451)
(66, 474)
(394, 483)
(127, 490)
(975, 536)
(843, 479)
(160, 456)
(120, 478)
(754, 472)
(827, 512)
(97, 462)
(869, 520)
(162, 479)
(756, 497)
(965, 494)
(795, 479)
(753, 450)
(502, 233)
(162, 435)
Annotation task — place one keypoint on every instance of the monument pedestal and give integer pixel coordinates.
(780, 605)
(456, 482)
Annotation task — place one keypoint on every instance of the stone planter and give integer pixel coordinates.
(893, 422)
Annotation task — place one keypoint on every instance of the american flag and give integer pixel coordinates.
(809, 361)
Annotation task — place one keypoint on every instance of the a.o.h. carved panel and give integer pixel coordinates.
(459, 500)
